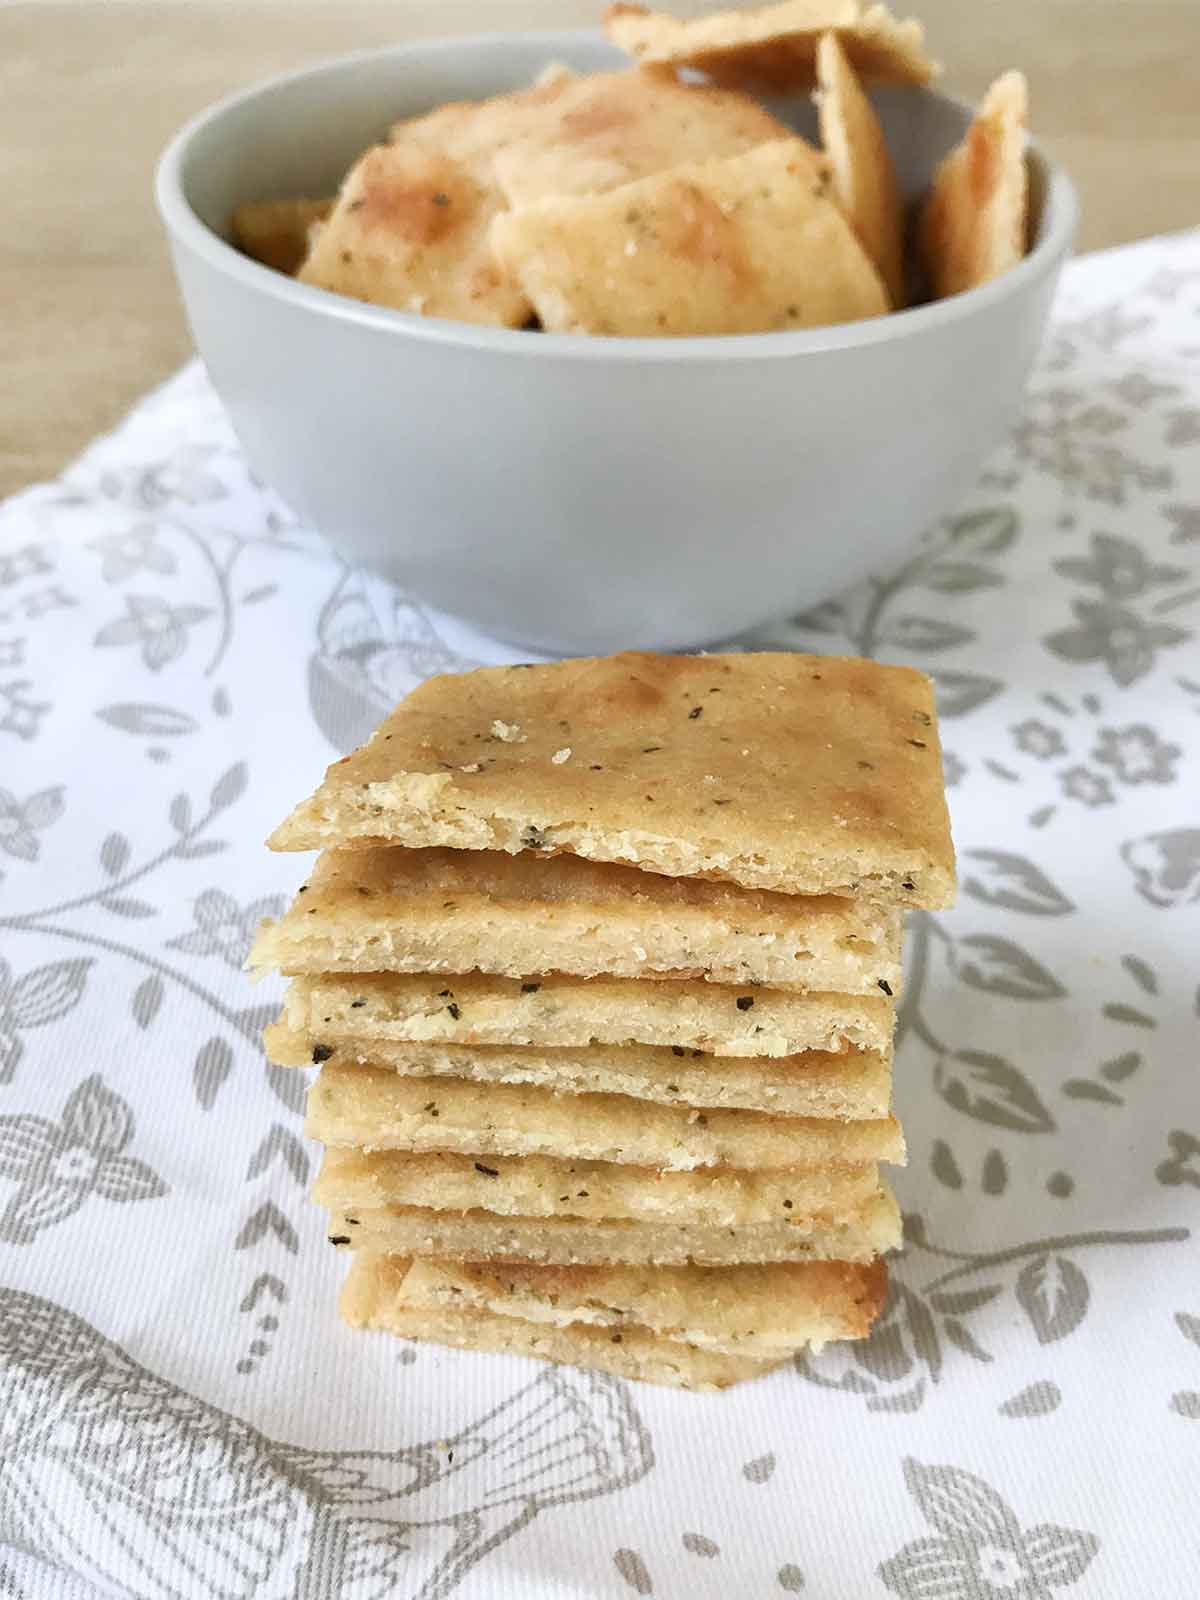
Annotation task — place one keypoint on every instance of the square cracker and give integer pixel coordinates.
(851, 1086)
(862, 177)
(389, 909)
(474, 1009)
(858, 1235)
(975, 221)
(277, 232)
(373, 1296)
(410, 231)
(807, 774)
(610, 129)
(750, 244)
(370, 1108)
(764, 1312)
(772, 49)
(553, 1187)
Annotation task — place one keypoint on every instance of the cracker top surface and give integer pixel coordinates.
(772, 49)
(805, 774)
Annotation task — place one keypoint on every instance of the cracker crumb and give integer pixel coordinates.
(508, 732)
(562, 755)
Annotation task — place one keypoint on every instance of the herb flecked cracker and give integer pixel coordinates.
(369, 1108)
(373, 1296)
(857, 1235)
(765, 1312)
(475, 1009)
(855, 1084)
(773, 48)
(806, 774)
(359, 1182)
(750, 244)
(976, 217)
(410, 231)
(435, 910)
(863, 180)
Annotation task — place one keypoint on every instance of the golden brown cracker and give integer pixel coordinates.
(373, 1296)
(410, 231)
(370, 1108)
(276, 232)
(361, 1182)
(976, 217)
(772, 49)
(477, 1009)
(851, 1085)
(764, 1312)
(750, 244)
(862, 176)
(455, 911)
(806, 774)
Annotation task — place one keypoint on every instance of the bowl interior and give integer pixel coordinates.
(297, 136)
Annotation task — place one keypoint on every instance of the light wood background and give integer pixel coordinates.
(90, 92)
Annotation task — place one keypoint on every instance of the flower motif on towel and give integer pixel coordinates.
(978, 1550)
(159, 628)
(223, 928)
(58, 1166)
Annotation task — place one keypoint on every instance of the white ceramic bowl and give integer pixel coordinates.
(579, 494)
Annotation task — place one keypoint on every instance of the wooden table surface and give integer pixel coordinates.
(89, 93)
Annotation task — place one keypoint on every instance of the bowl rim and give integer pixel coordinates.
(1061, 204)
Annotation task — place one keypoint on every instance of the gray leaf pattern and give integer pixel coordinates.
(1003, 879)
(1054, 1295)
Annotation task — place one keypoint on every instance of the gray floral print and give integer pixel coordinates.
(159, 628)
(1090, 788)
(28, 561)
(139, 550)
(12, 652)
(978, 1550)
(1037, 738)
(1137, 754)
(1114, 634)
(22, 820)
(1118, 567)
(20, 714)
(57, 1166)
(38, 997)
(1183, 1163)
(954, 769)
(1166, 866)
(223, 928)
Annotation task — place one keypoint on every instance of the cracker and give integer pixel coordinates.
(750, 244)
(410, 231)
(807, 774)
(276, 232)
(359, 1183)
(772, 49)
(855, 1084)
(862, 176)
(610, 129)
(975, 220)
(374, 1296)
(454, 911)
(477, 1009)
(572, 1241)
(764, 1312)
(372, 1109)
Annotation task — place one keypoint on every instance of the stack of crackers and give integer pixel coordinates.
(599, 964)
